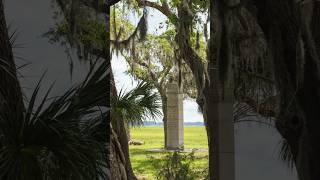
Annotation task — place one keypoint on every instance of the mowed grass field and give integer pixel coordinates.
(152, 136)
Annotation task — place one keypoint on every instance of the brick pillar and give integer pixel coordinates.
(174, 117)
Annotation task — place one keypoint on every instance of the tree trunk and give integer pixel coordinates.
(11, 99)
(219, 98)
(214, 98)
(298, 80)
(117, 158)
(164, 119)
(119, 129)
(127, 128)
(218, 110)
(120, 165)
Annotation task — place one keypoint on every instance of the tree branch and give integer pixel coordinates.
(102, 8)
(164, 9)
(152, 75)
(164, 73)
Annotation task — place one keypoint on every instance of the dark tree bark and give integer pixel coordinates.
(219, 97)
(11, 99)
(116, 158)
(165, 122)
(164, 119)
(120, 165)
(298, 78)
(210, 95)
(119, 129)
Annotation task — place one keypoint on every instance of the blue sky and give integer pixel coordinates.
(119, 66)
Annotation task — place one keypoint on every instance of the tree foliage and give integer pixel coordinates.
(177, 165)
(64, 138)
(137, 105)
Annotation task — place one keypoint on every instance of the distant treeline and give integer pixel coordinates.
(155, 123)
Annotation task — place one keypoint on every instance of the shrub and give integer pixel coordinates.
(177, 166)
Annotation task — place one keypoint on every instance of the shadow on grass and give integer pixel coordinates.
(134, 152)
(144, 167)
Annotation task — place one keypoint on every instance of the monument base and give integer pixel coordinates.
(176, 148)
(161, 150)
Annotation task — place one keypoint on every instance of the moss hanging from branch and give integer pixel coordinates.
(138, 35)
(186, 52)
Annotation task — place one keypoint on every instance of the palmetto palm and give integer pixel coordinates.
(64, 138)
(138, 104)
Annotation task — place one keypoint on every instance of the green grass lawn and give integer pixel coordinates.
(152, 136)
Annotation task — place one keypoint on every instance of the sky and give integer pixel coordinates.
(257, 146)
(123, 80)
(31, 19)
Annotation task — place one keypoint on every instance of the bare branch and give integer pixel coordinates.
(164, 73)
(164, 9)
(152, 75)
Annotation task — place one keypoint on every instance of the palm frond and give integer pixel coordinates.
(286, 154)
(64, 138)
(138, 104)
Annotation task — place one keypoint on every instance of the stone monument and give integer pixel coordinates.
(175, 131)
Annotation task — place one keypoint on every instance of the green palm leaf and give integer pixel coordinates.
(64, 138)
(138, 104)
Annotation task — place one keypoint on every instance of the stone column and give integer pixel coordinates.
(175, 139)
(226, 140)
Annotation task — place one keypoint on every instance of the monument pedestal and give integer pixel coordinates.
(175, 130)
